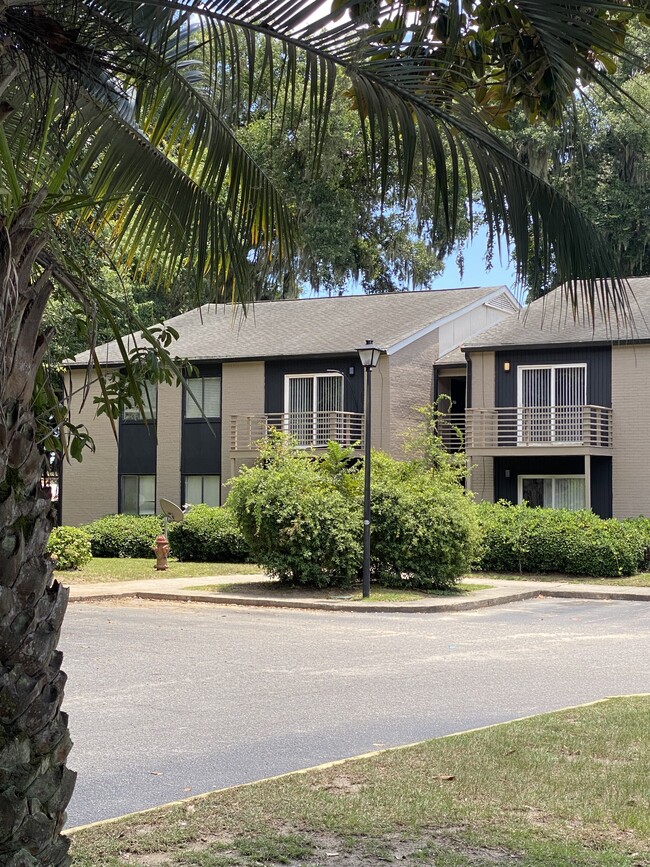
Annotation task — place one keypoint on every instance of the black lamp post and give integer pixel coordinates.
(369, 357)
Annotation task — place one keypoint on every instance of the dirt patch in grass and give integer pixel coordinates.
(553, 791)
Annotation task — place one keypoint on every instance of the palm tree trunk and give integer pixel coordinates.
(35, 785)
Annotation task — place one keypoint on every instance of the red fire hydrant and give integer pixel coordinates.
(161, 549)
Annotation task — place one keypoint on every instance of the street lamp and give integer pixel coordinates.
(369, 357)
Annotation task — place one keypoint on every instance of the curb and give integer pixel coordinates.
(315, 605)
(326, 765)
(389, 608)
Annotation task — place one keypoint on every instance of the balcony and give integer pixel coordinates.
(535, 429)
(312, 430)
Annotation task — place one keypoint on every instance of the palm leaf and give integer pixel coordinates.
(167, 169)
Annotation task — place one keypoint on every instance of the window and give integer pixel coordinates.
(138, 495)
(553, 492)
(149, 397)
(206, 392)
(312, 403)
(550, 403)
(202, 489)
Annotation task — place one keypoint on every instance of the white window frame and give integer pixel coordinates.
(552, 404)
(553, 476)
(314, 410)
(203, 477)
(137, 476)
(149, 396)
(189, 402)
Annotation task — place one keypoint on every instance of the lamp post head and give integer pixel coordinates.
(369, 355)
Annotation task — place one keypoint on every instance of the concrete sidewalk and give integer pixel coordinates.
(267, 594)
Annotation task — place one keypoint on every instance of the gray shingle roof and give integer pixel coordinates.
(313, 326)
(550, 321)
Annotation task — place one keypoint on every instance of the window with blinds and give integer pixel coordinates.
(203, 397)
(149, 397)
(553, 492)
(138, 495)
(312, 404)
(550, 402)
(202, 489)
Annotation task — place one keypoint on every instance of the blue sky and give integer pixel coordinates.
(475, 273)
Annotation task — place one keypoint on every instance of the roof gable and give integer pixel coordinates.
(551, 321)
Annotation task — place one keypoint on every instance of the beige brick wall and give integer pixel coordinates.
(168, 456)
(411, 385)
(631, 423)
(90, 487)
(242, 393)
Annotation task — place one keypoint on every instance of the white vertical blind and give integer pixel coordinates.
(536, 397)
(569, 494)
(554, 492)
(313, 403)
(301, 405)
(551, 400)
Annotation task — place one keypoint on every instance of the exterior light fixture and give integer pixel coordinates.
(369, 358)
(506, 366)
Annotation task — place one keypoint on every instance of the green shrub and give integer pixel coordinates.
(303, 518)
(424, 529)
(69, 547)
(298, 519)
(642, 526)
(208, 535)
(124, 535)
(521, 539)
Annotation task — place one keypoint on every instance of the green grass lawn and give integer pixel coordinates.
(106, 569)
(568, 789)
(377, 594)
(640, 580)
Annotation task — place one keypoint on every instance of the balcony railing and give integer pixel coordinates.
(451, 430)
(528, 426)
(310, 429)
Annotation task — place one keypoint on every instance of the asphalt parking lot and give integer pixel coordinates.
(167, 700)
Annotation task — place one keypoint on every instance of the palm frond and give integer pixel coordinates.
(165, 159)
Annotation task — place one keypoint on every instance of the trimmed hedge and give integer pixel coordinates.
(208, 535)
(424, 532)
(303, 518)
(521, 539)
(297, 520)
(124, 535)
(69, 547)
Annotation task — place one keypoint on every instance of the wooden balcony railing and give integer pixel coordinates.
(552, 426)
(311, 429)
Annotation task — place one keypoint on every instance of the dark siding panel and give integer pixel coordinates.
(201, 443)
(597, 358)
(137, 449)
(601, 486)
(560, 465)
(276, 370)
(201, 453)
